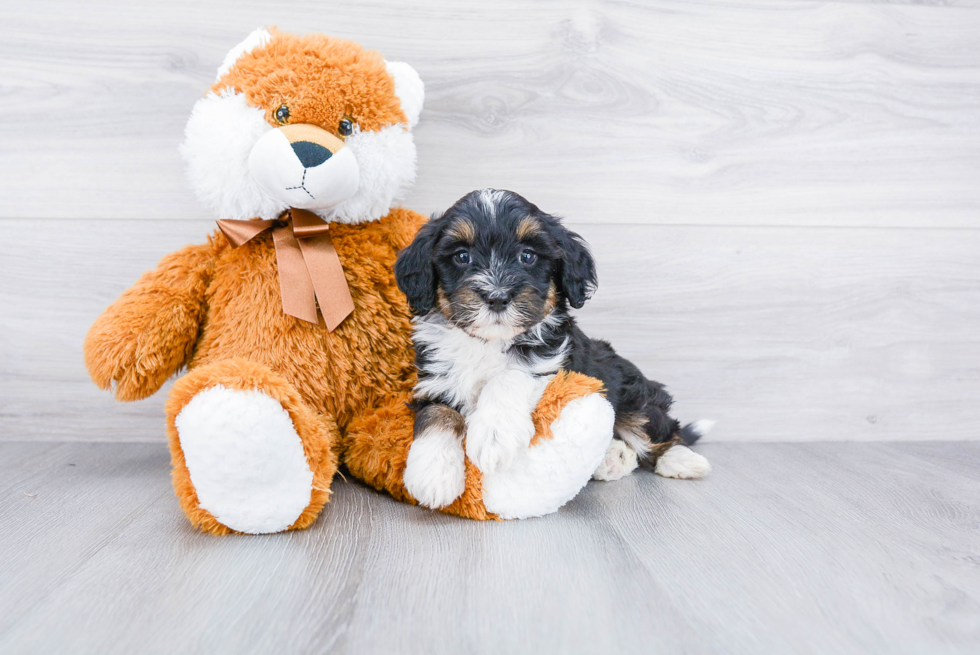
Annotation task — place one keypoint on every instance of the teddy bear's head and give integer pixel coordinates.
(311, 122)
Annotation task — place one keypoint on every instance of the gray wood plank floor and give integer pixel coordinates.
(785, 548)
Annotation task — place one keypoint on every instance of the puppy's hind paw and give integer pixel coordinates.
(619, 462)
(435, 473)
(682, 462)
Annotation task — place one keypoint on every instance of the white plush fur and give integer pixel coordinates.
(435, 473)
(386, 160)
(409, 89)
(220, 136)
(682, 462)
(245, 459)
(218, 140)
(256, 39)
(620, 461)
(544, 477)
(276, 168)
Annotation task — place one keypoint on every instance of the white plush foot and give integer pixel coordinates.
(682, 462)
(435, 474)
(620, 461)
(549, 474)
(245, 459)
(494, 438)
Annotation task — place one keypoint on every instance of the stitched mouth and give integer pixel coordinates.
(302, 185)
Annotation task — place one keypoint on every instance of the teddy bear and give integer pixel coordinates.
(287, 321)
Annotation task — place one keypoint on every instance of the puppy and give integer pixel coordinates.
(491, 282)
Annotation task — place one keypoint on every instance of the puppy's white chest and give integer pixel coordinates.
(458, 365)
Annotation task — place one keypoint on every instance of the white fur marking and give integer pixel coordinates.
(501, 424)
(435, 474)
(245, 459)
(549, 474)
(490, 198)
(703, 426)
(619, 462)
(459, 364)
(682, 462)
(639, 443)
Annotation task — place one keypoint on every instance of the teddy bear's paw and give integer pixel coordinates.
(245, 459)
(494, 438)
(619, 462)
(682, 462)
(435, 474)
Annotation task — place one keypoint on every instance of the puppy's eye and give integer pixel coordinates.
(528, 257)
(282, 115)
(462, 258)
(346, 126)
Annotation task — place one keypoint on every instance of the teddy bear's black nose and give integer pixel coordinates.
(310, 154)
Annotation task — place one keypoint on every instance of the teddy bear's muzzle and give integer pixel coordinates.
(304, 166)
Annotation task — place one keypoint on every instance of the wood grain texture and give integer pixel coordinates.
(780, 334)
(764, 112)
(802, 548)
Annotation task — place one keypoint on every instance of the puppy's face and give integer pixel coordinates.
(495, 265)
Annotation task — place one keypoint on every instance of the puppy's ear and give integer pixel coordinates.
(414, 270)
(576, 274)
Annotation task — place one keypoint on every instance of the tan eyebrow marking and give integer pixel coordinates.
(464, 230)
(527, 227)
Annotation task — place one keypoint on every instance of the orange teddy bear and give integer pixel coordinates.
(288, 320)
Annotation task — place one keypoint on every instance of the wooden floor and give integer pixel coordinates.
(785, 548)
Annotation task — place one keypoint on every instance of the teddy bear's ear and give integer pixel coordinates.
(256, 39)
(409, 89)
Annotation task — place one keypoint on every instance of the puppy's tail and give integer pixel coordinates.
(694, 431)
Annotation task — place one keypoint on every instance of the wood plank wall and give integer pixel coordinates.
(784, 197)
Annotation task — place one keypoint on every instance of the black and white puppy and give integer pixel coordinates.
(490, 282)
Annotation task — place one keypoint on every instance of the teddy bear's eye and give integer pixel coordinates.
(282, 115)
(346, 126)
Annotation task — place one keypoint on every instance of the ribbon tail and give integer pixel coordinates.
(328, 279)
(238, 232)
(295, 285)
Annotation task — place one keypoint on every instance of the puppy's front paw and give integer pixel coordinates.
(493, 440)
(620, 461)
(435, 473)
(682, 462)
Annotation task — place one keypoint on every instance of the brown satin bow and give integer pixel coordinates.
(309, 268)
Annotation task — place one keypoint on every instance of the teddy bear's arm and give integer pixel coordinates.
(149, 333)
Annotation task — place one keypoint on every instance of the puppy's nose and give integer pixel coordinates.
(498, 302)
(310, 154)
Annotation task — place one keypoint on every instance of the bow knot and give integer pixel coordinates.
(310, 273)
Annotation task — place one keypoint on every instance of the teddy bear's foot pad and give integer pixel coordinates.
(245, 459)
